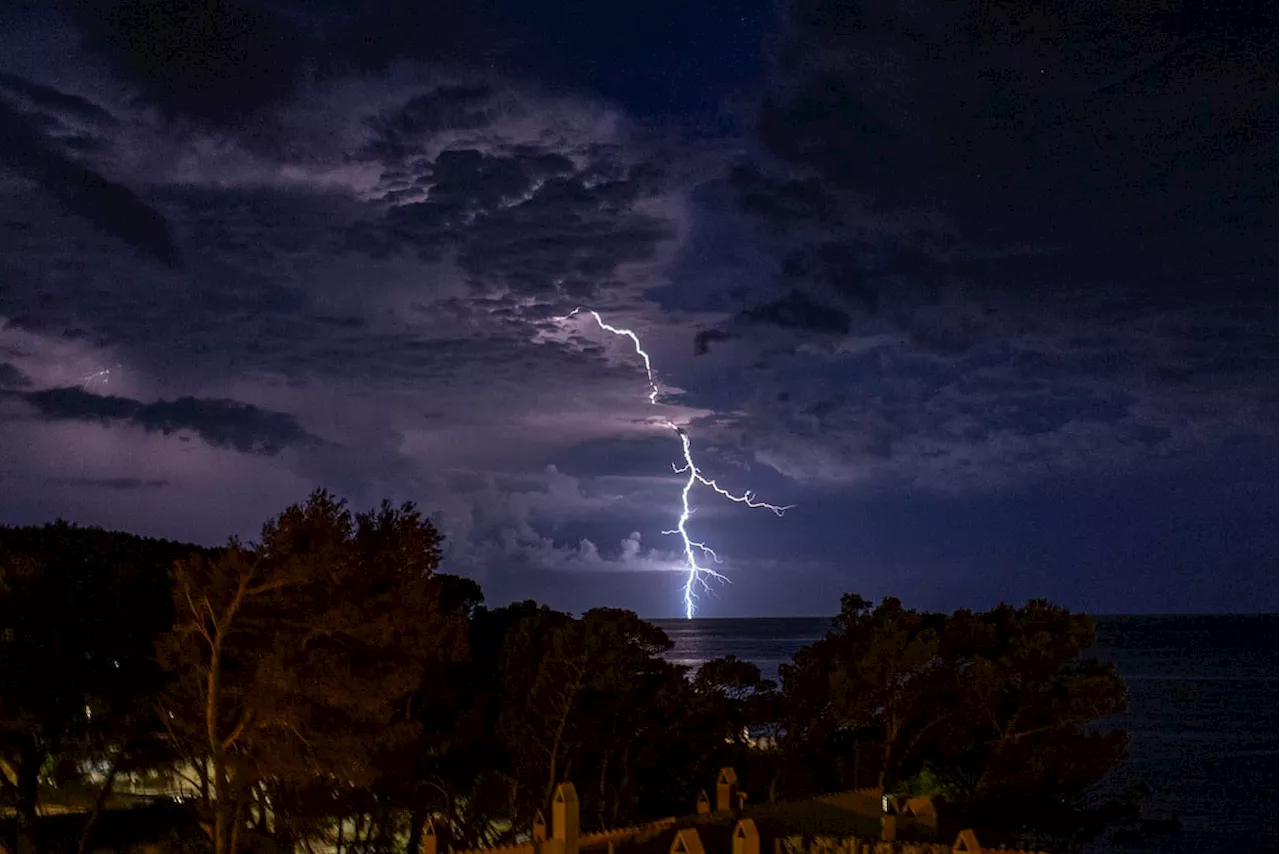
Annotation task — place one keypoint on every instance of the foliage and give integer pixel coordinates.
(992, 711)
(80, 609)
(328, 687)
(293, 659)
(1023, 735)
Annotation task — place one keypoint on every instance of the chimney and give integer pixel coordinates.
(429, 841)
(539, 827)
(889, 827)
(686, 841)
(564, 817)
(746, 838)
(704, 803)
(726, 789)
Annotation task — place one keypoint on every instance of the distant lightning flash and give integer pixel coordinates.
(698, 574)
(103, 375)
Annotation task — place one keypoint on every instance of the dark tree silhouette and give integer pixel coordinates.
(293, 659)
(80, 609)
(994, 712)
(328, 681)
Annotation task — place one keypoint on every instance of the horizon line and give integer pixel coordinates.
(1088, 613)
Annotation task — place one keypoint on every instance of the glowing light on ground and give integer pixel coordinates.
(698, 577)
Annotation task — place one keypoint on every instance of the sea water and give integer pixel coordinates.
(1202, 713)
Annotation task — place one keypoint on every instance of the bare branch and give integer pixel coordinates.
(238, 731)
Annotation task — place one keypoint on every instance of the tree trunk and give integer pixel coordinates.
(28, 798)
(105, 792)
(885, 758)
(620, 791)
(568, 700)
(381, 840)
(222, 805)
(417, 818)
(27, 840)
(857, 763)
(892, 732)
(237, 820)
(281, 831)
(600, 801)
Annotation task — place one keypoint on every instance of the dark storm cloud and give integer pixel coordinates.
(1126, 103)
(1013, 256)
(398, 134)
(113, 208)
(798, 311)
(118, 484)
(567, 235)
(640, 458)
(703, 340)
(1126, 138)
(1016, 411)
(241, 297)
(553, 214)
(534, 220)
(384, 32)
(49, 100)
(12, 377)
(215, 61)
(220, 62)
(381, 256)
(526, 200)
(220, 423)
(622, 51)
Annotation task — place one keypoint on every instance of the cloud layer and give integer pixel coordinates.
(338, 253)
(220, 423)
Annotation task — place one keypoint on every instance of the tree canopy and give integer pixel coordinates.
(327, 684)
(80, 609)
(994, 712)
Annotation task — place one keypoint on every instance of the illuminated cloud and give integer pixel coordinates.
(339, 263)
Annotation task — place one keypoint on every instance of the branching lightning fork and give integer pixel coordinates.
(698, 575)
(103, 376)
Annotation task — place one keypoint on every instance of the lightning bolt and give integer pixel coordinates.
(104, 375)
(635, 339)
(698, 576)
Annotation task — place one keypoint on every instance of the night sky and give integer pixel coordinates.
(987, 290)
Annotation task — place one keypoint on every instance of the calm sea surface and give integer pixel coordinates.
(1202, 715)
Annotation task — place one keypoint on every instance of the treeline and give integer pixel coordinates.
(327, 682)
